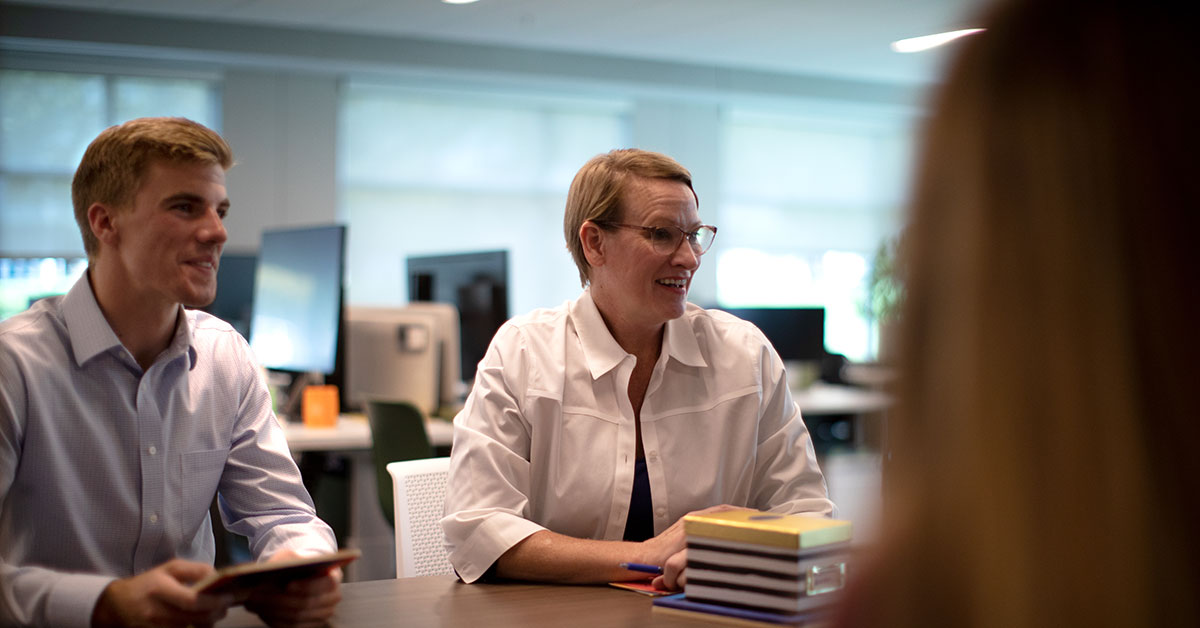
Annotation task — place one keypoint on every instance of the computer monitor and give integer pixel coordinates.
(446, 330)
(475, 283)
(798, 333)
(298, 296)
(235, 291)
(391, 355)
(407, 353)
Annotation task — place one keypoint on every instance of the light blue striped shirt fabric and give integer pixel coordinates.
(107, 471)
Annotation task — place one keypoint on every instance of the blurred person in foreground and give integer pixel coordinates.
(1045, 471)
(122, 413)
(595, 426)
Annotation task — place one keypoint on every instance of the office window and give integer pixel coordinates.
(47, 119)
(807, 201)
(435, 171)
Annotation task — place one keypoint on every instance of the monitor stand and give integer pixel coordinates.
(293, 405)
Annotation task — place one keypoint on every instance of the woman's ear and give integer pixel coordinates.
(592, 238)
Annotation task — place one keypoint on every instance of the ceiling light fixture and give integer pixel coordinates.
(459, 1)
(917, 44)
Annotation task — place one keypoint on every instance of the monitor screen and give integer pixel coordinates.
(235, 291)
(475, 283)
(298, 299)
(798, 334)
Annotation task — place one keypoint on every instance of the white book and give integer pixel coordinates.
(755, 599)
(794, 565)
(792, 586)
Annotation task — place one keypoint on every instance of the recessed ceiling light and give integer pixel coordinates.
(459, 1)
(925, 42)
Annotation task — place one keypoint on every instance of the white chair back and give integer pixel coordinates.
(419, 491)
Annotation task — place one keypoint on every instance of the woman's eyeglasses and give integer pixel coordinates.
(665, 240)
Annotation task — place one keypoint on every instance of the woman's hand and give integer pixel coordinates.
(669, 549)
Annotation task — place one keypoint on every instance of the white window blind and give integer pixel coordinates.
(434, 171)
(47, 119)
(807, 201)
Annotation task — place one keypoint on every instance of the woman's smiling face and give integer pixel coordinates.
(636, 284)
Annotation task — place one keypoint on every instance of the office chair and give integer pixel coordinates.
(397, 433)
(420, 497)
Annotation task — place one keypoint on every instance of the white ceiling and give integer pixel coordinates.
(845, 39)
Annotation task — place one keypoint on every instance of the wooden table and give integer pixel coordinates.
(444, 601)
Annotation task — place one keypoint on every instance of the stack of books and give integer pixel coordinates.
(762, 567)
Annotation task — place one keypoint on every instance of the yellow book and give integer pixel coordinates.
(793, 532)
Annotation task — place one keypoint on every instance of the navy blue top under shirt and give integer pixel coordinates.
(640, 524)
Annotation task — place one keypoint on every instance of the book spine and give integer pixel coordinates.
(755, 600)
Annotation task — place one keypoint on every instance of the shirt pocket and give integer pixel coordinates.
(199, 475)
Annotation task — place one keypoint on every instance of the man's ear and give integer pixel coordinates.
(592, 238)
(103, 221)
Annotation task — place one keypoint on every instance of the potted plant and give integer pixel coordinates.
(885, 292)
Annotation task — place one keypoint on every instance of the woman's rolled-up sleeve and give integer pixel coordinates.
(487, 492)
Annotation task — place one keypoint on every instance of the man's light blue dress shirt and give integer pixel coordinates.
(107, 470)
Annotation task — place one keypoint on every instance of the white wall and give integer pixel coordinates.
(689, 132)
(282, 127)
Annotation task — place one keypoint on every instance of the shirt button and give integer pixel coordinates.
(154, 518)
(661, 512)
(153, 450)
(653, 455)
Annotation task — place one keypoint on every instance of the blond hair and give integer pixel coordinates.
(597, 191)
(1042, 469)
(114, 164)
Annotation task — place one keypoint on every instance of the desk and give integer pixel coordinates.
(444, 601)
(821, 399)
(842, 416)
(365, 527)
(353, 432)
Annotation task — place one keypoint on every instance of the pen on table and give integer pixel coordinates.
(654, 569)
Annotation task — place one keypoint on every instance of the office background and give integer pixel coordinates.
(423, 145)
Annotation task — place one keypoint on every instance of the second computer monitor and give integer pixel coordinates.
(798, 333)
(476, 284)
(235, 291)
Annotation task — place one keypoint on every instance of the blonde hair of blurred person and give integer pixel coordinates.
(1044, 468)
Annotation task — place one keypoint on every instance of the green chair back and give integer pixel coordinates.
(397, 433)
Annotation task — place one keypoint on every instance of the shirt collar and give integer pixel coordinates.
(679, 342)
(91, 334)
(602, 352)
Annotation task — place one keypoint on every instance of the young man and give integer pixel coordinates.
(122, 413)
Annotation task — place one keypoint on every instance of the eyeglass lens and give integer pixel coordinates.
(666, 240)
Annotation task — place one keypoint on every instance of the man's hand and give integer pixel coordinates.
(305, 603)
(160, 597)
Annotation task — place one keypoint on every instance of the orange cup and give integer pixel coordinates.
(320, 406)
